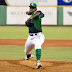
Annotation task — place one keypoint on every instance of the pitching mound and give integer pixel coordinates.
(18, 65)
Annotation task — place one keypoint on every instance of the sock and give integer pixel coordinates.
(38, 54)
(28, 55)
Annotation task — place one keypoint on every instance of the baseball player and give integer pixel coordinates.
(35, 38)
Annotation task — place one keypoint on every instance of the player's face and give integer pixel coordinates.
(32, 9)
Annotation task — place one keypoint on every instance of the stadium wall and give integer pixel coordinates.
(54, 15)
(67, 16)
(59, 16)
(17, 15)
(3, 14)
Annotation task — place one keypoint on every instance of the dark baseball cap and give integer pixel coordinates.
(33, 5)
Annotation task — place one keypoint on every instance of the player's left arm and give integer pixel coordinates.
(38, 13)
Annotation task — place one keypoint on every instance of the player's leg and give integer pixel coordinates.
(28, 48)
(38, 57)
(39, 41)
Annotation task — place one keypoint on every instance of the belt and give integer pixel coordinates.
(33, 34)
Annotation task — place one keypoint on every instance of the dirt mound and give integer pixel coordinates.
(19, 65)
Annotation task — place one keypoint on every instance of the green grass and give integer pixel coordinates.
(50, 53)
(21, 32)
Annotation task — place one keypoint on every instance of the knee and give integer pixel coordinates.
(37, 47)
(27, 53)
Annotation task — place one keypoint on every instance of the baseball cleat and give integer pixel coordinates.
(38, 65)
(32, 56)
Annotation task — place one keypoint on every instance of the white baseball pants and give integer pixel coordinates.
(36, 40)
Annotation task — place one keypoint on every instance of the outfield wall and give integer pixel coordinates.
(27, 2)
(60, 16)
(67, 13)
(53, 15)
(3, 14)
(17, 15)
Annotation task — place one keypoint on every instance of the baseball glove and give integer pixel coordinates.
(29, 23)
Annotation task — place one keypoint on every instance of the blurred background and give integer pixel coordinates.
(57, 12)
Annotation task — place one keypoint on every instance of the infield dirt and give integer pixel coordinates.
(19, 65)
(47, 43)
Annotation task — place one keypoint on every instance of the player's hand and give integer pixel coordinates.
(27, 12)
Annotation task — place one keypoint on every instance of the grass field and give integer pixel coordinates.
(21, 32)
(51, 53)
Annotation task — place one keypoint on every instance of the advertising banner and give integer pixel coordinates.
(64, 2)
(17, 15)
(27, 2)
(50, 15)
(67, 15)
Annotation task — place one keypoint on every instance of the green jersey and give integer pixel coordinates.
(37, 23)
